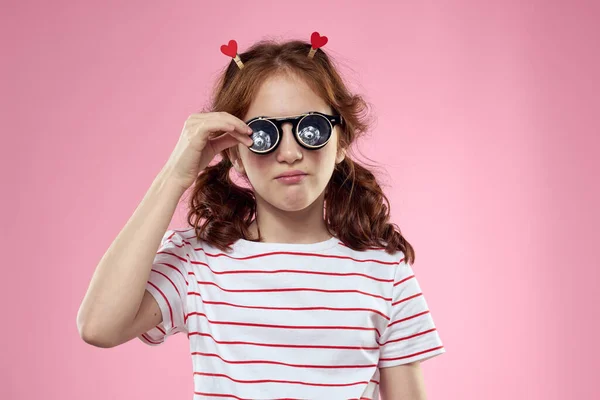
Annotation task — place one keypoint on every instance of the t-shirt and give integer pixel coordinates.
(277, 320)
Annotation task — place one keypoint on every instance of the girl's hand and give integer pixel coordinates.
(204, 135)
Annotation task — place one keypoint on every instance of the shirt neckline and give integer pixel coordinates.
(249, 246)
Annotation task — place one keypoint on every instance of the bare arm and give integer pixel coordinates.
(402, 382)
(116, 307)
(108, 314)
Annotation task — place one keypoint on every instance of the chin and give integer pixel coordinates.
(291, 200)
(293, 203)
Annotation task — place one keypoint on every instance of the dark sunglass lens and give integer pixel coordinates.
(314, 130)
(264, 135)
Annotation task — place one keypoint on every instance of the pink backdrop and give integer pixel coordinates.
(487, 126)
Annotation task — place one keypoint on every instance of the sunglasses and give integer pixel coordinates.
(312, 130)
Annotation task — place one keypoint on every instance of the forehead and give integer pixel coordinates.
(284, 95)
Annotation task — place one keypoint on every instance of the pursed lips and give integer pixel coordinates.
(290, 174)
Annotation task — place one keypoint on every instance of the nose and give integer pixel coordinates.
(288, 151)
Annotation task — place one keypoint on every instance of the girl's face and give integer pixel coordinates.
(280, 96)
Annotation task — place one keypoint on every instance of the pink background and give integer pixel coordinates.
(487, 126)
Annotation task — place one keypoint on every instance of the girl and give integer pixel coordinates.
(293, 286)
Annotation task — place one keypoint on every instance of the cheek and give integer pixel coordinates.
(255, 164)
(328, 155)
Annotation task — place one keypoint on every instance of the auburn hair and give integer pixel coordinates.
(356, 210)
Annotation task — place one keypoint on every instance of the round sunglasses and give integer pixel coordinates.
(312, 130)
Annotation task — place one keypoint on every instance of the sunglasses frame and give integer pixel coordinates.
(295, 120)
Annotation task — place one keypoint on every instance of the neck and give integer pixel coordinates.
(279, 226)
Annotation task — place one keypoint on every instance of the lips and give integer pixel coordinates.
(291, 173)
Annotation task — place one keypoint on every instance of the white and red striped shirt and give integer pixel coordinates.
(295, 321)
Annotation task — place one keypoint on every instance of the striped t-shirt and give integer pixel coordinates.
(295, 321)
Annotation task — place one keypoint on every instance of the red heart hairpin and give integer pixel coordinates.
(230, 50)
(317, 41)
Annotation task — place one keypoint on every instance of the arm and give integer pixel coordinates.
(112, 310)
(402, 382)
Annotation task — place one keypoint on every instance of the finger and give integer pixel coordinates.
(216, 133)
(240, 125)
(230, 139)
(220, 120)
(211, 127)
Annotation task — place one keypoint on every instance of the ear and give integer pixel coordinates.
(341, 154)
(236, 160)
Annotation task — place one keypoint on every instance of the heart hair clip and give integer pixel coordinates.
(231, 51)
(316, 40)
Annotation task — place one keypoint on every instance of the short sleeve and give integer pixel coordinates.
(168, 285)
(411, 334)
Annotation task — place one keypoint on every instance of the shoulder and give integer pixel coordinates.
(376, 254)
(186, 240)
(179, 240)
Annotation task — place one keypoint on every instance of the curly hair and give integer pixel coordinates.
(357, 211)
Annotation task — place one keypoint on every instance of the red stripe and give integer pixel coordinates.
(407, 298)
(290, 271)
(219, 395)
(175, 286)
(145, 337)
(197, 353)
(355, 328)
(172, 254)
(281, 381)
(184, 276)
(169, 279)
(291, 346)
(412, 355)
(222, 303)
(407, 318)
(367, 398)
(165, 297)
(292, 290)
(410, 337)
(296, 253)
(404, 280)
(186, 241)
